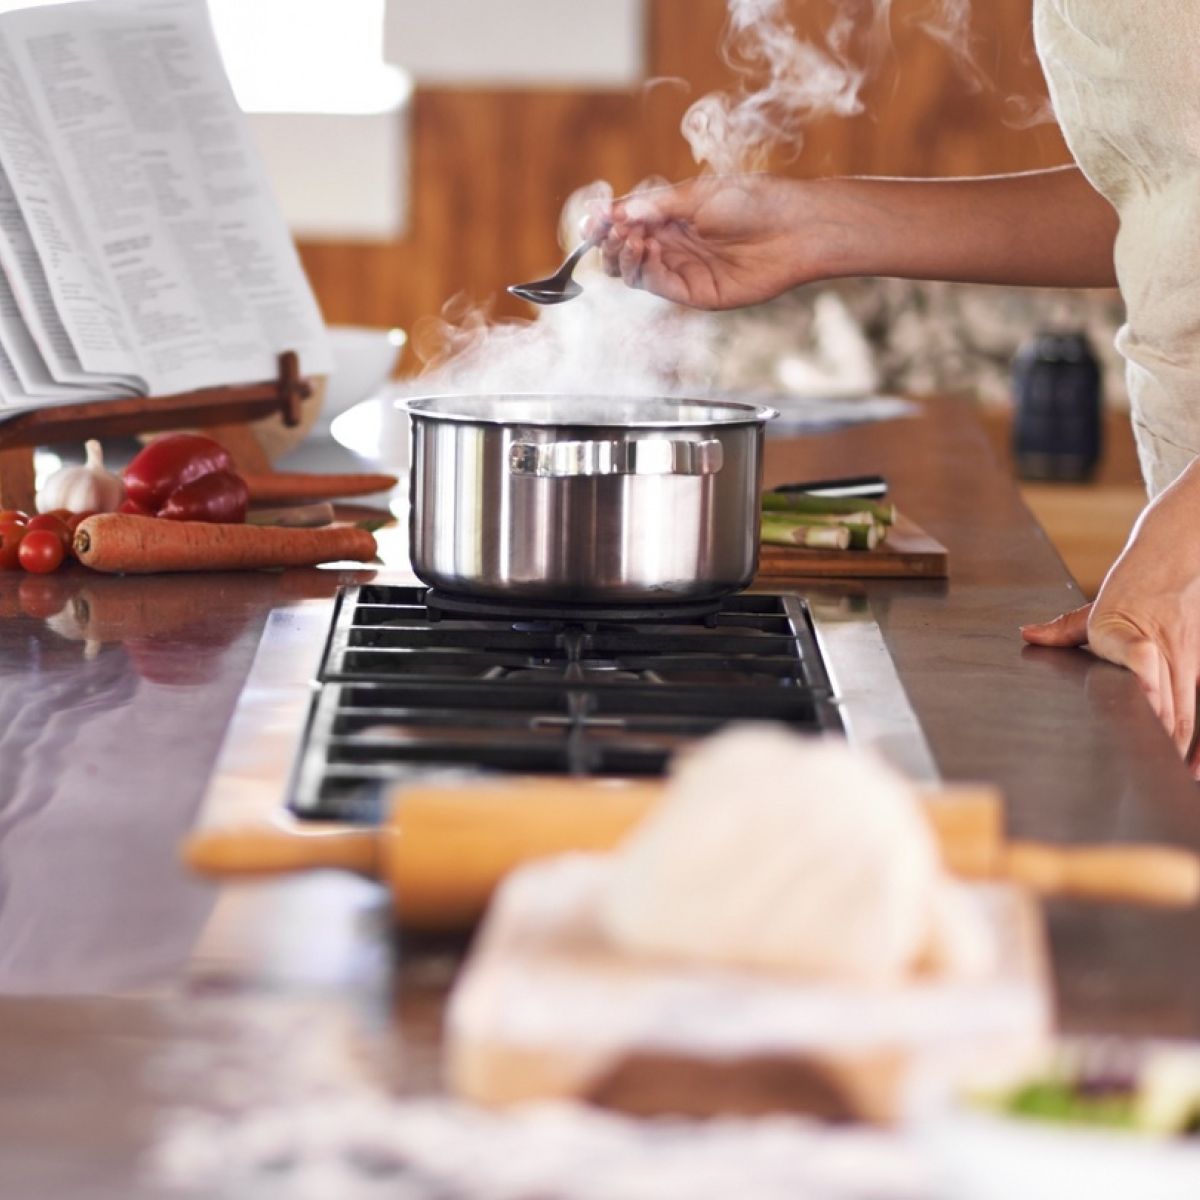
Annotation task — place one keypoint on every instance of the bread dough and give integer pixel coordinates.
(795, 854)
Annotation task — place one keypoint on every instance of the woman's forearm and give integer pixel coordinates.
(1040, 229)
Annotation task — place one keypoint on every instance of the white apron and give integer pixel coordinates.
(1124, 79)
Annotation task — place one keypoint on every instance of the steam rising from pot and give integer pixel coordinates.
(609, 339)
(786, 81)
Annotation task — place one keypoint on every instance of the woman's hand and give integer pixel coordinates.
(722, 241)
(1147, 615)
(713, 242)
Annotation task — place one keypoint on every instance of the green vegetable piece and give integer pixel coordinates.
(801, 502)
(820, 536)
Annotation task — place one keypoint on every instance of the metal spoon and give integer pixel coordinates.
(556, 288)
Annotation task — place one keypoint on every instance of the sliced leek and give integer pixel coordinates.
(818, 536)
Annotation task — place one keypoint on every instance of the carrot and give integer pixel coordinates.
(117, 542)
(280, 487)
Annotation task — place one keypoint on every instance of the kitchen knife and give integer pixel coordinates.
(858, 487)
(443, 850)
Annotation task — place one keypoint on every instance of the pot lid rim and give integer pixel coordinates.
(738, 412)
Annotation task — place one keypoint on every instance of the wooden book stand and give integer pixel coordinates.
(223, 411)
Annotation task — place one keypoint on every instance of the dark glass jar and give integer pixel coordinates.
(1058, 410)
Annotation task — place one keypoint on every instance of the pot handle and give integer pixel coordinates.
(641, 456)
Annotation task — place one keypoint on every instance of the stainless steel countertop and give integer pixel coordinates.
(114, 698)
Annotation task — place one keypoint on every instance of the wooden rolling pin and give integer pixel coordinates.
(444, 849)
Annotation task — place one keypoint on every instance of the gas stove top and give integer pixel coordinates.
(397, 684)
(408, 689)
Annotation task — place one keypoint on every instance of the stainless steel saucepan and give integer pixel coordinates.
(585, 499)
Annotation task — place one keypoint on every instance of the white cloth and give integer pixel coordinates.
(1124, 79)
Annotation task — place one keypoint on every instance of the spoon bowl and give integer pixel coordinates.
(539, 293)
(556, 288)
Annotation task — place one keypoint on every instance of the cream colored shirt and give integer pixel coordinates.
(1124, 79)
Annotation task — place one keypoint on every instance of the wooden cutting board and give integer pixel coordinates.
(908, 552)
(545, 1008)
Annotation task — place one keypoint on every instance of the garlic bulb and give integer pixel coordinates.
(89, 488)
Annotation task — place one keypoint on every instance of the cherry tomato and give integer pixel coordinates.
(40, 552)
(63, 514)
(53, 525)
(14, 515)
(10, 543)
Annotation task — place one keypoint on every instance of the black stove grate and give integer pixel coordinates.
(405, 693)
(447, 603)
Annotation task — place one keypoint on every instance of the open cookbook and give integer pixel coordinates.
(141, 250)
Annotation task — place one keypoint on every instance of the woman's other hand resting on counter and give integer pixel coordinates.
(1147, 615)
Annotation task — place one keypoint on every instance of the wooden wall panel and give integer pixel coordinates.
(491, 169)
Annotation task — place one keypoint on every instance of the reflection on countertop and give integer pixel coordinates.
(114, 696)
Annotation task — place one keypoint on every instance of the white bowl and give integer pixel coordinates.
(377, 430)
(363, 361)
(988, 1156)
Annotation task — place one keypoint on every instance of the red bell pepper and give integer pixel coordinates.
(220, 496)
(169, 462)
(185, 477)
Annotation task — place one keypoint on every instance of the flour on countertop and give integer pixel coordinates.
(293, 1101)
(373, 1146)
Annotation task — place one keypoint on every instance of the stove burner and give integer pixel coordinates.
(413, 683)
(441, 604)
